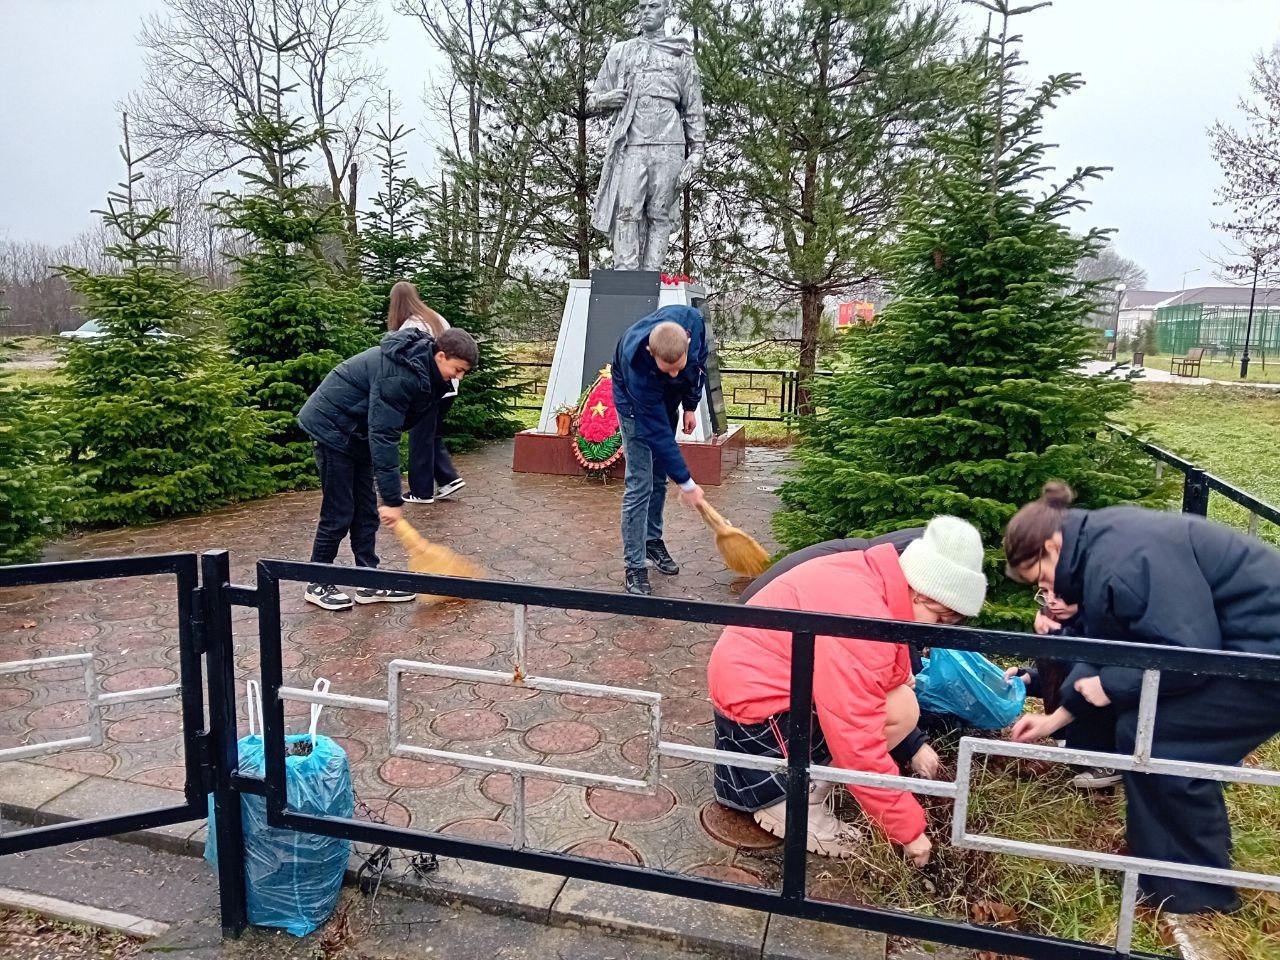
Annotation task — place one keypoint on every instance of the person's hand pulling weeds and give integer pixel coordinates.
(1036, 726)
(926, 763)
(919, 850)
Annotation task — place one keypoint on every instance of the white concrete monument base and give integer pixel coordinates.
(564, 384)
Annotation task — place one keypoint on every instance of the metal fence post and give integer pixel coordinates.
(226, 824)
(1195, 492)
(799, 733)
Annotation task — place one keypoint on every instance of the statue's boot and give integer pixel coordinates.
(656, 244)
(626, 244)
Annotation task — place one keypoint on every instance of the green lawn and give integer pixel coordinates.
(1230, 431)
(1225, 369)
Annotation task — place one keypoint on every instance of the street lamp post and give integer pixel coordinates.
(1115, 320)
(1187, 273)
(1248, 327)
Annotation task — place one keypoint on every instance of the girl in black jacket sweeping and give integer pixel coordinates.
(1151, 577)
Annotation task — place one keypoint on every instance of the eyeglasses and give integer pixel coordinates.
(1041, 598)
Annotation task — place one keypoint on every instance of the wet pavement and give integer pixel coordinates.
(525, 528)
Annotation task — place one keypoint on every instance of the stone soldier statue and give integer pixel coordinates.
(651, 86)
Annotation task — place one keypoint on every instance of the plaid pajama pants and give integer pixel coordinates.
(752, 790)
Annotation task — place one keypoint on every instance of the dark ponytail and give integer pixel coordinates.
(1034, 524)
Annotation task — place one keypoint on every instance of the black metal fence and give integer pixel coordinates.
(1198, 483)
(205, 629)
(750, 393)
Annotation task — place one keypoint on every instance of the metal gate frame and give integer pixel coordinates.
(195, 735)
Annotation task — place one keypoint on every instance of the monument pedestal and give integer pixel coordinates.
(710, 461)
(596, 313)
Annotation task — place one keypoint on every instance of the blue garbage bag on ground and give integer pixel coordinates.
(292, 880)
(970, 686)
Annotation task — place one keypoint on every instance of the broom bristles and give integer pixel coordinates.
(428, 557)
(742, 554)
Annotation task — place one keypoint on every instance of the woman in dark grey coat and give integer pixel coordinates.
(1152, 577)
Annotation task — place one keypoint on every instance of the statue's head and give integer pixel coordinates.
(653, 14)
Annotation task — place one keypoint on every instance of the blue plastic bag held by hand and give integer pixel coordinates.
(292, 880)
(970, 686)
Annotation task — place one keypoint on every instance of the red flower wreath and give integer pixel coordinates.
(597, 439)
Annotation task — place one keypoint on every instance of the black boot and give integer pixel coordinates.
(656, 552)
(638, 582)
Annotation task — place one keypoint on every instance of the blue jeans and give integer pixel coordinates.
(643, 496)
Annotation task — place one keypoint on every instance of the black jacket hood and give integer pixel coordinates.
(416, 350)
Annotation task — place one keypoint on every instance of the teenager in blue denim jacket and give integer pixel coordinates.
(659, 367)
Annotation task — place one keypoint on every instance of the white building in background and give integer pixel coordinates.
(1137, 308)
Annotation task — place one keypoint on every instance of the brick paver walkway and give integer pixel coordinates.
(526, 528)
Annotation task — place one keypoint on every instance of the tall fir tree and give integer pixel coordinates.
(290, 317)
(966, 395)
(157, 422)
(397, 244)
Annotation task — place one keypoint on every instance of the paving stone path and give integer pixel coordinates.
(525, 528)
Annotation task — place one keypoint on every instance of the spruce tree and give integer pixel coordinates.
(30, 491)
(398, 244)
(966, 395)
(157, 422)
(290, 317)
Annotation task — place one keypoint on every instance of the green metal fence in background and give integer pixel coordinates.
(1221, 329)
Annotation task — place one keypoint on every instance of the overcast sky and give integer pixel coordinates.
(1157, 72)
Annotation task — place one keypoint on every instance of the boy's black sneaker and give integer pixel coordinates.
(638, 582)
(656, 552)
(370, 595)
(327, 597)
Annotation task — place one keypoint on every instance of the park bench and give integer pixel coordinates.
(1188, 366)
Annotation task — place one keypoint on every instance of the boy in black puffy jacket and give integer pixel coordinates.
(356, 417)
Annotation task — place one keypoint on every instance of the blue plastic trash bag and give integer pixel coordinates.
(292, 879)
(971, 687)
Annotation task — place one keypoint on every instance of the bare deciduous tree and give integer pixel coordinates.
(39, 299)
(1250, 162)
(469, 33)
(210, 62)
(1110, 266)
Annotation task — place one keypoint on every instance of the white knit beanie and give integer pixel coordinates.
(945, 565)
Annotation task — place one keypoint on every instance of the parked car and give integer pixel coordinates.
(92, 329)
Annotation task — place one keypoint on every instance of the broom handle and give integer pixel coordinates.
(410, 538)
(712, 516)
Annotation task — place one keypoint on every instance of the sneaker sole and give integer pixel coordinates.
(446, 496)
(408, 599)
(666, 573)
(326, 606)
(407, 500)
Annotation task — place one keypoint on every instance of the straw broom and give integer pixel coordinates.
(428, 557)
(740, 552)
